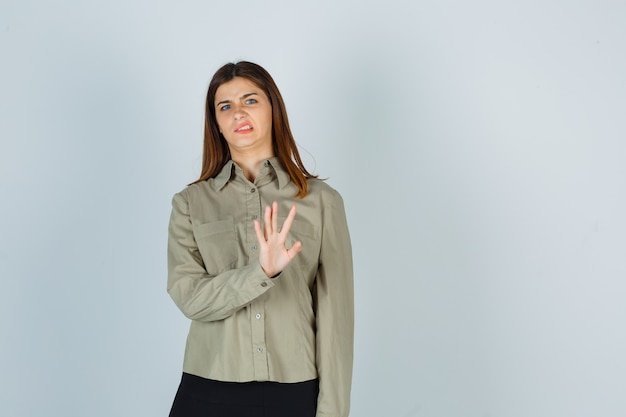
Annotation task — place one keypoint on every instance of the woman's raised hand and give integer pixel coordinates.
(273, 255)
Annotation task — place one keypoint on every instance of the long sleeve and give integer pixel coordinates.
(197, 294)
(334, 312)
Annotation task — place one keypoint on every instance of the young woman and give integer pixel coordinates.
(259, 259)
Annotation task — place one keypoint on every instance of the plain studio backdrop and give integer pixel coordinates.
(479, 147)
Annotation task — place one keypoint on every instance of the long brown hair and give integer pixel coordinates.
(216, 153)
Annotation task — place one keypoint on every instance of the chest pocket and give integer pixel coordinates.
(217, 245)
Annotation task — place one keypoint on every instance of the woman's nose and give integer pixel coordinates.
(239, 114)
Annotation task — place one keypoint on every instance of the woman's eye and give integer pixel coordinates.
(225, 107)
(251, 101)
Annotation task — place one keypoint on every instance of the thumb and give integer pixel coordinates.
(294, 250)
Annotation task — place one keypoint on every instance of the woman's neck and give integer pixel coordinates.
(251, 164)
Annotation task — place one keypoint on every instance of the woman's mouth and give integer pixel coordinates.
(243, 128)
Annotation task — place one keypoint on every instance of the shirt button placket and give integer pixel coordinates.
(257, 317)
(261, 367)
(253, 209)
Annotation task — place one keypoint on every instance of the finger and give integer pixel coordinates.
(275, 217)
(289, 220)
(267, 221)
(259, 232)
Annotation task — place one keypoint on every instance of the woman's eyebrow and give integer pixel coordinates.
(242, 97)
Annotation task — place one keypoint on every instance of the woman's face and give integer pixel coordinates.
(244, 117)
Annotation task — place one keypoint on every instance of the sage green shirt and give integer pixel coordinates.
(245, 326)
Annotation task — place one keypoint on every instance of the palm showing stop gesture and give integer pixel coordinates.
(273, 255)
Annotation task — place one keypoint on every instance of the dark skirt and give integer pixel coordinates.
(201, 397)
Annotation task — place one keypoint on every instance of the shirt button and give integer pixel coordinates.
(253, 190)
(254, 247)
(259, 349)
(264, 284)
(254, 217)
(258, 316)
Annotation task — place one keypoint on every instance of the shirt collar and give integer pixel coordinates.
(224, 175)
(228, 172)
